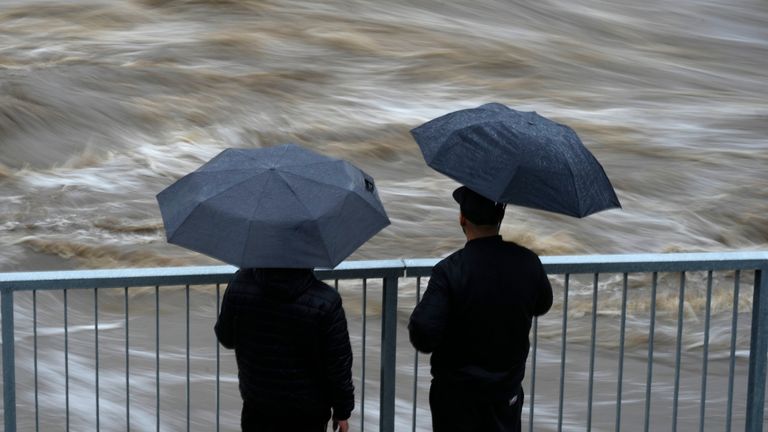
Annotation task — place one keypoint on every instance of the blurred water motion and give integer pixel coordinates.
(102, 104)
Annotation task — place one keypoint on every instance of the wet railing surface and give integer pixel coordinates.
(634, 342)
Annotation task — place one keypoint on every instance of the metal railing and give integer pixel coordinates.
(640, 314)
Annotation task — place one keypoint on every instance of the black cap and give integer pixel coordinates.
(477, 208)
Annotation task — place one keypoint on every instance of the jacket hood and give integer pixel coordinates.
(284, 284)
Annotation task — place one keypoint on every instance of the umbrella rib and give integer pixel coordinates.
(457, 131)
(308, 164)
(285, 150)
(302, 165)
(575, 187)
(260, 158)
(331, 185)
(202, 201)
(226, 170)
(250, 224)
(314, 179)
(314, 220)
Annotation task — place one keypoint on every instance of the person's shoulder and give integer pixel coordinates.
(451, 259)
(242, 289)
(450, 265)
(322, 294)
(520, 250)
(242, 279)
(243, 275)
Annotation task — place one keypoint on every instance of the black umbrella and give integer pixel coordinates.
(518, 158)
(281, 206)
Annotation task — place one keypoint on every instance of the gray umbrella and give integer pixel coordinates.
(281, 206)
(518, 158)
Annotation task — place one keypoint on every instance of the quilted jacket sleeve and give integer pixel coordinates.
(338, 361)
(544, 293)
(430, 317)
(225, 325)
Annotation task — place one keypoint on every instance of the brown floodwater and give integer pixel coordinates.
(105, 103)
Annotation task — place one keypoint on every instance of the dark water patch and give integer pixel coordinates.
(557, 243)
(5, 171)
(93, 16)
(128, 226)
(232, 44)
(219, 6)
(282, 82)
(99, 256)
(443, 47)
(382, 143)
(747, 123)
(606, 135)
(190, 2)
(46, 117)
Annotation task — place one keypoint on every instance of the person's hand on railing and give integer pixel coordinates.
(340, 426)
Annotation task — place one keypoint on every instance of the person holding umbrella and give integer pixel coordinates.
(277, 213)
(474, 318)
(476, 313)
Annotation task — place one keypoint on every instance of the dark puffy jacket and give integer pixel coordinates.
(290, 337)
(476, 314)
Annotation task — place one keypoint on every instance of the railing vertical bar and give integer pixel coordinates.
(34, 343)
(96, 342)
(566, 284)
(592, 353)
(416, 362)
(188, 395)
(678, 349)
(157, 358)
(757, 352)
(705, 361)
(732, 363)
(388, 354)
(533, 371)
(651, 334)
(362, 383)
(621, 351)
(127, 363)
(66, 360)
(9, 361)
(336, 284)
(218, 363)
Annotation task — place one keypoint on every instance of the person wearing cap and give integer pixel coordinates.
(474, 318)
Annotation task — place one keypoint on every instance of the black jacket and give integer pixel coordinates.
(476, 314)
(290, 337)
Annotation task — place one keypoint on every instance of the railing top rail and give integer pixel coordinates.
(114, 278)
(671, 262)
(630, 263)
(135, 277)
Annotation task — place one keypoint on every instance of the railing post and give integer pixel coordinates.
(9, 365)
(758, 349)
(388, 351)
(757, 353)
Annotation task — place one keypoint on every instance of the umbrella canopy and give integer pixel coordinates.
(282, 206)
(518, 158)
